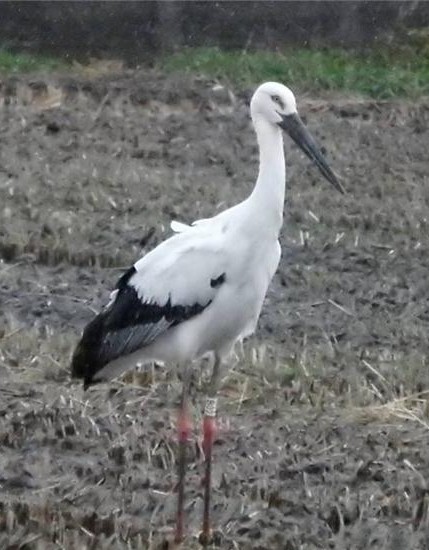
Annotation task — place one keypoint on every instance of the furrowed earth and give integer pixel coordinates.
(323, 422)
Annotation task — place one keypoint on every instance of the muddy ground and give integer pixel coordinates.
(323, 439)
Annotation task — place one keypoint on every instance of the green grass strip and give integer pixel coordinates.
(11, 63)
(378, 74)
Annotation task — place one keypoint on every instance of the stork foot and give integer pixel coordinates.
(214, 538)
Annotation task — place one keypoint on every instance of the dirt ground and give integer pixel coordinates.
(323, 438)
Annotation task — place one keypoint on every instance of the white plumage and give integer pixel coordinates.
(183, 268)
(207, 282)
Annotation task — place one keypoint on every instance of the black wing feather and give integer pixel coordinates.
(126, 325)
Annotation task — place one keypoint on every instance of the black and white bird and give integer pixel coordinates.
(202, 289)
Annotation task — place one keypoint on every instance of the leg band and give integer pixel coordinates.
(211, 406)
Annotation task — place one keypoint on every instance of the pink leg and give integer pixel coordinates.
(209, 432)
(184, 429)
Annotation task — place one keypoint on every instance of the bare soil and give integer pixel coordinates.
(323, 439)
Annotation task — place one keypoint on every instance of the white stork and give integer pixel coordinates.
(202, 289)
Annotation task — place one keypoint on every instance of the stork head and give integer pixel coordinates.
(276, 104)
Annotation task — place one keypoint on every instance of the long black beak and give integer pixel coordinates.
(294, 126)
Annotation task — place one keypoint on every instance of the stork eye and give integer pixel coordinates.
(277, 100)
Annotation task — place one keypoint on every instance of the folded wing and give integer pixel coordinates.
(175, 282)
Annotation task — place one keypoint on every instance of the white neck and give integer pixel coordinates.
(268, 195)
